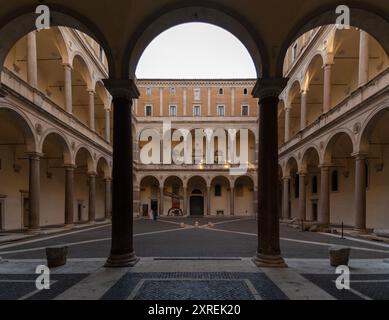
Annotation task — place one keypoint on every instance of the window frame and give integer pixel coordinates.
(193, 110)
(224, 110)
(248, 110)
(170, 110)
(151, 108)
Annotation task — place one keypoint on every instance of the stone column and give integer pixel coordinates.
(108, 125)
(287, 123)
(232, 201)
(360, 193)
(327, 88)
(92, 197)
(161, 201)
(91, 110)
(208, 200)
(69, 196)
(68, 88)
(303, 120)
(34, 192)
(363, 58)
(302, 197)
(268, 253)
(324, 201)
(107, 200)
(285, 198)
(185, 209)
(136, 202)
(122, 250)
(32, 61)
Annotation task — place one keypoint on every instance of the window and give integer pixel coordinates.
(245, 91)
(172, 91)
(149, 111)
(245, 111)
(221, 91)
(220, 111)
(197, 94)
(101, 54)
(148, 92)
(335, 181)
(196, 111)
(173, 111)
(314, 185)
(218, 190)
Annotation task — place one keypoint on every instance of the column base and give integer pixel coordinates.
(122, 261)
(266, 261)
(69, 226)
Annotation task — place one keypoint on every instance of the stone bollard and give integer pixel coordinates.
(56, 256)
(182, 225)
(339, 256)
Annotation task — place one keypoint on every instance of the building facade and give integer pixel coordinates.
(204, 186)
(333, 132)
(55, 132)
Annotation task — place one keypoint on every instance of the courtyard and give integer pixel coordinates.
(193, 259)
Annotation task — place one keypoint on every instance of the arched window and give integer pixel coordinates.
(218, 190)
(314, 185)
(335, 181)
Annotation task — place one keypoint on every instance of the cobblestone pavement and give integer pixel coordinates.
(194, 263)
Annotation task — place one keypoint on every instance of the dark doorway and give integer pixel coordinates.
(197, 203)
(26, 212)
(145, 210)
(154, 207)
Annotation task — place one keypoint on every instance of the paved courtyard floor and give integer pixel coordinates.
(193, 263)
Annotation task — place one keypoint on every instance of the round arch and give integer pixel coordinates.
(21, 22)
(184, 13)
(61, 140)
(103, 167)
(85, 69)
(24, 124)
(290, 164)
(84, 151)
(365, 17)
(332, 141)
(310, 152)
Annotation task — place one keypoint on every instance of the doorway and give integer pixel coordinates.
(197, 203)
(26, 211)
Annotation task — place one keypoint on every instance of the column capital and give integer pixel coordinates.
(70, 166)
(286, 178)
(122, 88)
(34, 155)
(325, 166)
(302, 173)
(91, 91)
(92, 174)
(108, 179)
(269, 88)
(359, 155)
(67, 66)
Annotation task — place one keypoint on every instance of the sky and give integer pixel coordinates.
(195, 51)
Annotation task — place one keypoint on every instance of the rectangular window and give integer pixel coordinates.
(245, 111)
(172, 91)
(245, 91)
(148, 111)
(148, 91)
(197, 94)
(221, 91)
(220, 111)
(196, 111)
(173, 111)
(218, 190)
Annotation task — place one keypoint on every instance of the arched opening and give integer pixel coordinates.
(221, 193)
(56, 155)
(174, 196)
(103, 190)
(281, 123)
(375, 148)
(293, 189)
(198, 201)
(81, 91)
(102, 111)
(244, 197)
(339, 155)
(294, 103)
(84, 183)
(310, 164)
(150, 196)
(16, 142)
